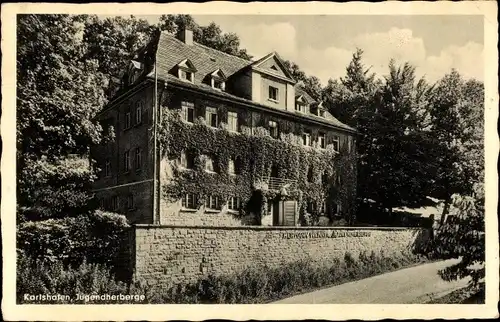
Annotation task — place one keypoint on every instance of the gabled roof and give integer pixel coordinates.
(169, 51)
(218, 73)
(299, 91)
(280, 62)
(186, 63)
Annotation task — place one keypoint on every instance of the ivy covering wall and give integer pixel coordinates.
(321, 175)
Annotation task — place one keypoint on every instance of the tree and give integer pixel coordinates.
(462, 237)
(400, 157)
(58, 93)
(456, 110)
(310, 84)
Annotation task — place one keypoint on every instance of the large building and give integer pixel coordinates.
(202, 137)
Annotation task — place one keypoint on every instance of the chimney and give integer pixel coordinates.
(186, 36)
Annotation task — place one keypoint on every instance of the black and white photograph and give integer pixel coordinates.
(256, 155)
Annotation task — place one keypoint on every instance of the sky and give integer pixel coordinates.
(322, 45)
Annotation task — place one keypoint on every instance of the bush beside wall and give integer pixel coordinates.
(257, 285)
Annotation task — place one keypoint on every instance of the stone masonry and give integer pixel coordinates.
(168, 254)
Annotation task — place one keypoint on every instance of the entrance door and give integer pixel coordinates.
(289, 212)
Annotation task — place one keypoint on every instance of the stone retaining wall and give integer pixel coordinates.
(167, 254)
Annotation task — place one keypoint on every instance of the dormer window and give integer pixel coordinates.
(186, 71)
(300, 104)
(135, 71)
(217, 80)
(187, 76)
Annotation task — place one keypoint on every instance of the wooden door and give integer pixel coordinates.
(289, 212)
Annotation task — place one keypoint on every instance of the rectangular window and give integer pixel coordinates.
(189, 201)
(107, 168)
(114, 203)
(273, 94)
(138, 158)
(211, 116)
(321, 140)
(187, 111)
(128, 119)
(232, 121)
(130, 202)
(306, 138)
(126, 161)
(233, 203)
(273, 129)
(187, 160)
(231, 167)
(185, 75)
(212, 202)
(138, 112)
(217, 84)
(209, 164)
(336, 143)
(300, 107)
(322, 208)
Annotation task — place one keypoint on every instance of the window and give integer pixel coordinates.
(234, 203)
(310, 175)
(186, 75)
(187, 160)
(107, 168)
(130, 202)
(126, 161)
(189, 201)
(306, 138)
(212, 202)
(232, 121)
(336, 143)
(231, 167)
(300, 107)
(187, 111)
(273, 129)
(211, 116)
(114, 203)
(322, 140)
(322, 207)
(101, 203)
(273, 93)
(209, 164)
(218, 84)
(138, 112)
(128, 119)
(138, 159)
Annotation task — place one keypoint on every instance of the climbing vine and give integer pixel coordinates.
(316, 172)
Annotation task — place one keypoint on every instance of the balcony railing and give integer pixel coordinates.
(273, 183)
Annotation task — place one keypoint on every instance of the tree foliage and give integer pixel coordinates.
(58, 94)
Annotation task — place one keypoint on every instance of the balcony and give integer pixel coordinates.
(274, 183)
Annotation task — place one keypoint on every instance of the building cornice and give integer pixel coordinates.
(124, 96)
(259, 107)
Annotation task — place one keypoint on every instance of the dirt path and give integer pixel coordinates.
(413, 285)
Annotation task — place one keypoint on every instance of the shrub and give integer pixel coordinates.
(253, 285)
(94, 238)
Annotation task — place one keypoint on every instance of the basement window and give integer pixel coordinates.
(212, 202)
(234, 203)
(189, 201)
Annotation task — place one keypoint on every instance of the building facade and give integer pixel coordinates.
(201, 137)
